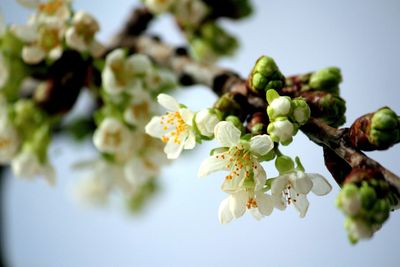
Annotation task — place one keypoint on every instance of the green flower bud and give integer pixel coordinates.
(326, 80)
(266, 75)
(357, 229)
(284, 164)
(349, 200)
(368, 195)
(380, 211)
(301, 111)
(385, 128)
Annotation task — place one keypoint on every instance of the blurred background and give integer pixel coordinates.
(46, 227)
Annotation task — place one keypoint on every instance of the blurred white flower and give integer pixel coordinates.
(50, 11)
(81, 36)
(235, 205)
(241, 159)
(174, 128)
(293, 187)
(139, 109)
(27, 165)
(113, 137)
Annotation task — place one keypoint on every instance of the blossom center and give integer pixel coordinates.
(174, 121)
(289, 194)
(239, 161)
(251, 203)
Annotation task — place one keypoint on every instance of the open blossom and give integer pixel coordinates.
(113, 137)
(81, 36)
(241, 158)
(293, 187)
(41, 40)
(235, 205)
(174, 128)
(121, 72)
(27, 165)
(49, 10)
(140, 108)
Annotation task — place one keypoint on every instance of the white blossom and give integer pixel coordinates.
(27, 165)
(293, 187)
(279, 107)
(140, 108)
(174, 128)
(240, 159)
(113, 137)
(235, 205)
(281, 131)
(206, 122)
(81, 36)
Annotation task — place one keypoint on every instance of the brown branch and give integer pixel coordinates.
(225, 81)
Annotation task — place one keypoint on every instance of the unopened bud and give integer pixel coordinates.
(301, 111)
(279, 107)
(206, 120)
(326, 80)
(266, 75)
(349, 200)
(281, 130)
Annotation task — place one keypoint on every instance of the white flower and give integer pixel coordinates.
(4, 72)
(81, 35)
(174, 128)
(9, 138)
(139, 109)
(113, 137)
(158, 6)
(42, 40)
(235, 205)
(292, 188)
(281, 131)
(121, 73)
(206, 121)
(49, 11)
(241, 159)
(27, 165)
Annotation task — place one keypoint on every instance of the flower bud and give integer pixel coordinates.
(236, 122)
(281, 130)
(284, 164)
(326, 80)
(357, 229)
(206, 120)
(232, 104)
(349, 200)
(368, 195)
(266, 75)
(376, 131)
(301, 111)
(279, 107)
(326, 106)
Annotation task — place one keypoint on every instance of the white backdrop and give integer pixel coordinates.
(46, 228)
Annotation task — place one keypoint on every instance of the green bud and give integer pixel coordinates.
(326, 80)
(266, 75)
(284, 164)
(271, 95)
(301, 111)
(368, 195)
(385, 128)
(380, 211)
(334, 109)
(267, 157)
(235, 121)
(257, 129)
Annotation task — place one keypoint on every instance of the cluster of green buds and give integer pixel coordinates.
(266, 75)
(376, 131)
(286, 115)
(366, 204)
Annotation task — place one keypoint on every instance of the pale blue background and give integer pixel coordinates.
(46, 228)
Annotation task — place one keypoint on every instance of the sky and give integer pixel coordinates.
(46, 227)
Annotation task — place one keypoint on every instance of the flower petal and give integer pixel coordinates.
(168, 102)
(279, 184)
(237, 203)
(301, 204)
(227, 134)
(212, 164)
(279, 202)
(224, 214)
(26, 33)
(265, 203)
(155, 128)
(173, 149)
(259, 176)
(190, 141)
(301, 182)
(261, 144)
(187, 115)
(32, 54)
(320, 185)
(256, 214)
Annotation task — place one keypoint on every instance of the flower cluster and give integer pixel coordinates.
(131, 160)
(53, 26)
(286, 116)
